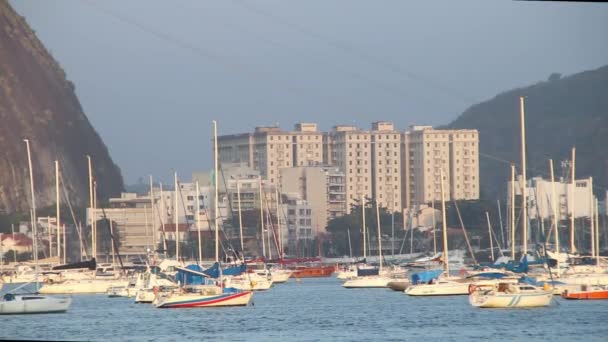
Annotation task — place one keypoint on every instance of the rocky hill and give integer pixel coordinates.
(38, 102)
(560, 113)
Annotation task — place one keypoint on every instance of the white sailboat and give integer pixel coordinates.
(507, 295)
(12, 303)
(380, 279)
(444, 286)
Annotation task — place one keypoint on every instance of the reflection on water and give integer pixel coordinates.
(316, 309)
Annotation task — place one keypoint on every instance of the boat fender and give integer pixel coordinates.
(546, 287)
(472, 288)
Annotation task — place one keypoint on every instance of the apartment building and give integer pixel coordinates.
(322, 187)
(236, 149)
(398, 169)
(307, 145)
(351, 151)
(428, 153)
(386, 165)
(268, 149)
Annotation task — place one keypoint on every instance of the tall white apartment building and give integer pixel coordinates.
(351, 151)
(428, 152)
(269, 149)
(386, 165)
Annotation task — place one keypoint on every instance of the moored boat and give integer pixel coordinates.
(82, 286)
(12, 304)
(203, 296)
(398, 284)
(312, 271)
(587, 292)
(507, 295)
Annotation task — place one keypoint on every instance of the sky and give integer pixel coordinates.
(152, 75)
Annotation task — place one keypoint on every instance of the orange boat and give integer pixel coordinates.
(312, 271)
(587, 292)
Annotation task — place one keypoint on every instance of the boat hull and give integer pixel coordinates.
(438, 289)
(398, 285)
(313, 272)
(280, 277)
(82, 286)
(366, 282)
(34, 304)
(145, 296)
(196, 301)
(518, 300)
(586, 295)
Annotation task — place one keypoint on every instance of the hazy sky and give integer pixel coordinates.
(151, 75)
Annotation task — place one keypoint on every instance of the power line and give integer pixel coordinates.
(335, 67)
(352, 50)
(226, 62)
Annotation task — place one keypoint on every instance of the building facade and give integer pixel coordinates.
(386, 165)
(429, 153)
(322, 187)
(351, 150)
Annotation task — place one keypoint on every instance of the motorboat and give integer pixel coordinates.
(587, 292)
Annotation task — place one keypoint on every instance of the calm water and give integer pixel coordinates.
(316, 309)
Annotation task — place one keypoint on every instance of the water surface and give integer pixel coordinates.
(315, 310)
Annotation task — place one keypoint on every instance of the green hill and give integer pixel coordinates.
(560, 113)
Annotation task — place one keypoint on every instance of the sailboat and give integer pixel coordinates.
(209, 293)
(374, 277)
(444, 285)
(12, 303)
(507, 295)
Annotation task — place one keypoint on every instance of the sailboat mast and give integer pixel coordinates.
(512, 212)
(112, 243)
(198, 222)
(364, 233)
(280, 244)
(95, 218)
(33, 212)
(262, 217)
(162, 217)
(592, 216)
(215, 177)
(58, 210)
(597, 233)
(153, 211)
(446, 261)
(65, 245)
(490, 236)
(175, 219)
(524, 184)
(92, 211)
(572, 188)
(434, 227)
(379, 235)
(350, 247)
(555, 217)
(238, 196)
(502, 231)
